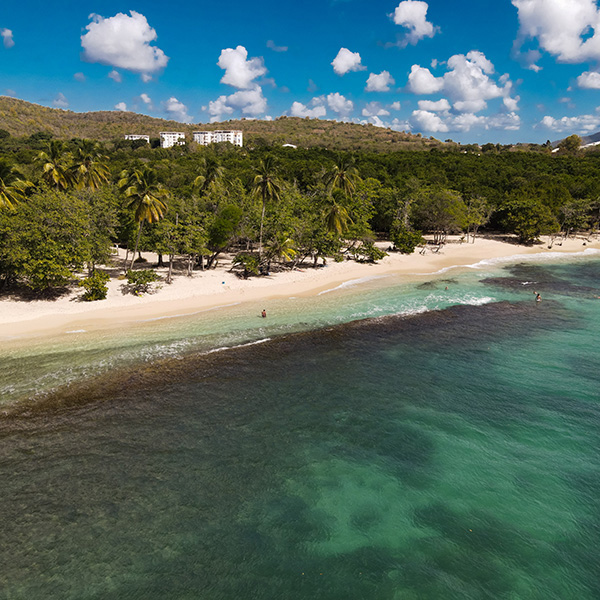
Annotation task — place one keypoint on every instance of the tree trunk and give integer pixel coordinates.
(160, 260)
(262, 219)
(170, 273)
(137, 241)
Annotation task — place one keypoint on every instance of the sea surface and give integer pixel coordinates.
(390, 439)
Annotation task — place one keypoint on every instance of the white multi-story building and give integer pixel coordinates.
(135, 136)
(233, 136)
(168, 139)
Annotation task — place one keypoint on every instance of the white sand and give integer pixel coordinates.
(217, 287)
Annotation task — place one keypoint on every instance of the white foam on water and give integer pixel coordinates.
(222, 348)
(352, 283)
(77, 331)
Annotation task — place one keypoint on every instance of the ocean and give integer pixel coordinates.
(432, 437)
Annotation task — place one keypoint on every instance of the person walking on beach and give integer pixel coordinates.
(264, 314)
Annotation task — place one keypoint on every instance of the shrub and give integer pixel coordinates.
(95, 286)
(139, 282)
(405, 241)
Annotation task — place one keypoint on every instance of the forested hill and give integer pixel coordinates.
(22, 118)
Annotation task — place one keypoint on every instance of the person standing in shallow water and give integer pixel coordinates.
(538, 298)
(264, 314)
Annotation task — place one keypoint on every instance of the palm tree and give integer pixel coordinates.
(281, 247)
(266, 186)
(214, 173)
(337, 218)
(54, 166)
(12, 187)
(146, 195)
(88, 170)
(343, 176)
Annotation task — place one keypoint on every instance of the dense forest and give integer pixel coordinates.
(65, 204)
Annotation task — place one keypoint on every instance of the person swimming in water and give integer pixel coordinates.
(538, 298)
(264, 314)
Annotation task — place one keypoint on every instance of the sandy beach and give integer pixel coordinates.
(218, 287)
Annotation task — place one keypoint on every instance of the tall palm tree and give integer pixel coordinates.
(146, 195)
(55, 169)
(12, 187)
(88, 170)
(267, 187)
(337, 218)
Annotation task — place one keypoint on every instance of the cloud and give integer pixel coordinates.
(583, 124)
(240, 72)
(589, 80)
(177, 110)
(146, 100)
(312, 86)
(374, 109)
(443, 121)
(115, 76)
(248, 102)
(346, 61)
(412, 14)
(79, 77)
(379, 83)
(563, 28)
(395, 105)
(339, 104)
(467, 82)
(7, 36)
(60, 101)
(121, 106)
(123, 41)
(301, 110)
(430, 105)
(273, 46)
(428, 121)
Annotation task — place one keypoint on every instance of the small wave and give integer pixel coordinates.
(222, 348)
(352, 283)
(546, 257)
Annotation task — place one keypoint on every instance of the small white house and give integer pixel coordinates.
(133, 136)
(168, 139)
(233, 136)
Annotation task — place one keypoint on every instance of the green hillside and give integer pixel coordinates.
(22, 118)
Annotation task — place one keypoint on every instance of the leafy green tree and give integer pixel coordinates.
(440, 211)
(222, 230)
(45, 240)
(527, 218)
(140, 282)
(95, 286)
(570, 145)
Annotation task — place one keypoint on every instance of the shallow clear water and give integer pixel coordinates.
(452, 453)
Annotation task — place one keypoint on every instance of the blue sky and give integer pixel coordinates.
(470, 70)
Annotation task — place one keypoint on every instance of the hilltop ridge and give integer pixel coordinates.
(21, 118)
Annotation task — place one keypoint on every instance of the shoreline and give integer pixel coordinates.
(211, 290)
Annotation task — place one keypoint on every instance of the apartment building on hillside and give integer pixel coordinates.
(135, 136)
(233, 136)
(168, 139)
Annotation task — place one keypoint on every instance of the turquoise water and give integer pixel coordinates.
(386, 440)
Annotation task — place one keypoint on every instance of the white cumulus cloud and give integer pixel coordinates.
(7, 37)
(60, 101)
(427, 121)
(123, 41)
(301, 110)
(567, 29)
(340, 104)
(374, 109)
(248, 102)
(412, 14)
(146, 100)
(346, 61)
(590, 80)
(239, 71)
(115, 76)
(177, 110)
(379, 83)
(121, 106)
(434, 106)
(468, 83)
(583, 123)
(395, 105)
